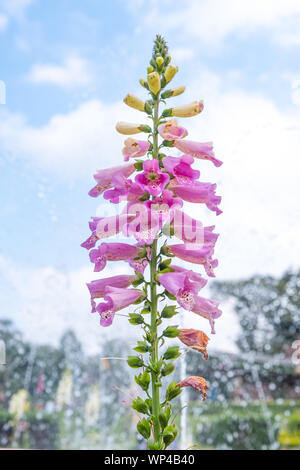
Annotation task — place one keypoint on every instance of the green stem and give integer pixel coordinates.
(153, 268)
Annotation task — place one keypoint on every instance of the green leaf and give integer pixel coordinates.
(171, 353)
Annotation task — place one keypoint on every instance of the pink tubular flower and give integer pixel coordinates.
(135, 148)
(164, 207)
(116, 299)
(152, 179)
(171, 131)
(197, 254)
(184, 285)
(198, 383)
(207, 308)
(194, 339)
(104, 178)
(97, 288)
(121, 187)
(144, 225)
(203, 151)
(180, 167)
(109, 226)
(111, 252)
(198, 193)
(92, 240)
(190, 230)
(140, 264)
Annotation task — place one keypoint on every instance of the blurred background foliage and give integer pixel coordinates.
(60, 398)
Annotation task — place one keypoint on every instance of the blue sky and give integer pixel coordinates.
(67, 66)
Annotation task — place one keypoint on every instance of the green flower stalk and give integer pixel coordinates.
(152, 216)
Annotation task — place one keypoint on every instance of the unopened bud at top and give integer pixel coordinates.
(154, 82)
(160, 61)
(170, 72)
(134, 102)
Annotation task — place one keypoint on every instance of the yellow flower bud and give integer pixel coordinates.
(128, 128)
(150, 69)
(134, 102)
(188, 110)
(159, 61)
(178, 90)
(170, 72)
(154, 82)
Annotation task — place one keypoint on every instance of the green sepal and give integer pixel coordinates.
(143, 380)
(136, 319)
(167, 369)
(169, 311)
(135, 362)
(171, 353)
(171, 331)
(139, 405)
(169, 434)
(144, 428)
(172, 391)
(142, 347)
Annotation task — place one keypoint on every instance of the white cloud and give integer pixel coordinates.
(3, 22)
(181, 54)
(213, 20)
(74, 72)
(12, 9)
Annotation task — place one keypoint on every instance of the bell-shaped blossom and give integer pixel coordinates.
(104, 177)
(111, 252)
(203, 151)
(145, 224)
(164, 206)
(110, 226)
(135, 148)
(116, 299)
(197, 254)
(194, 339)
(152, 179)
(190, 230)
(198, 383)
(172, 131)
(180, 168)
(183, 285)
(97, 288)
(124, 189)
(198, 193)
(139, 264)
(208, 309)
